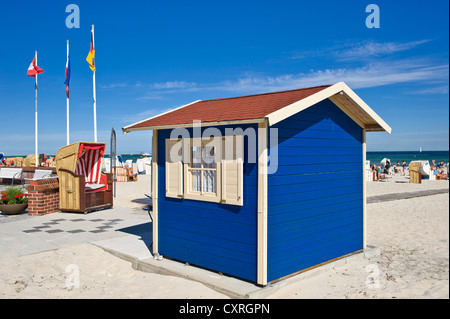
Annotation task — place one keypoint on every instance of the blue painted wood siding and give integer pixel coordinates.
(211, 235)
(315, 198)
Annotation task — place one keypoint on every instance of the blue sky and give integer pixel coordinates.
(152, 56)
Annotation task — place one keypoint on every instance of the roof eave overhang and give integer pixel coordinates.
(352, 105)
(131, 128)
(193, 124)
(339, 93)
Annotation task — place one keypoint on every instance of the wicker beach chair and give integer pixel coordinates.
(82, 185)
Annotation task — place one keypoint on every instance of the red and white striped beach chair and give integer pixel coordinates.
(82, 185)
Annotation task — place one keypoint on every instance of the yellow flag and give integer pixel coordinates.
(91, 55)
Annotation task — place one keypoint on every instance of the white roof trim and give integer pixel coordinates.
(366, 108)
(199, 124)
(128, 128)
(290, 110)
(303, 104)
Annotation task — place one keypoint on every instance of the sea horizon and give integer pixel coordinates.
(374, 157)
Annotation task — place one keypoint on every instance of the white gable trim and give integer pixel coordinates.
(366, 108)
(303, 104)
(130, 128)
(197, 124)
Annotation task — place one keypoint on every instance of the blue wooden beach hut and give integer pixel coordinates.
(263, 186)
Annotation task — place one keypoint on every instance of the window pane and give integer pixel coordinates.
(209, 181)
(196, 180)
(209, 157)
(196, 156)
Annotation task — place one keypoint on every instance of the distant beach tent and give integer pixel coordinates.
(230, 213)
(384, 161)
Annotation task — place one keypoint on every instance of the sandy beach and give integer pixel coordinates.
(412, 234)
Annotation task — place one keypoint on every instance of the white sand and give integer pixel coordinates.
(101, 275)
(413, 236)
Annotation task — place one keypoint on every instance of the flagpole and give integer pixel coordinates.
(36, 117)
(67, 95)
(94, 93)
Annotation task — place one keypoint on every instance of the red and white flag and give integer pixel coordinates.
(33, 69)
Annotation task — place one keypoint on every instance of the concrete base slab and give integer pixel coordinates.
(370, 251)
(234, 288)
(230, 286)
(129, 248)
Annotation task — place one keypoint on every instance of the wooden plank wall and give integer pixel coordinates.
(315, 199)
(211, 235)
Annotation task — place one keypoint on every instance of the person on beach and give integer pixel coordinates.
(442, 174)
(394, 169)
(381, 174)
(373, 171)
(404, 168)
(386, 167)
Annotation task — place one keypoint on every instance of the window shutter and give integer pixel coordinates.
(174, 169)
(232, 172)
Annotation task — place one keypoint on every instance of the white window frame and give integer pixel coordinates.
(185, 168)
(188, 169)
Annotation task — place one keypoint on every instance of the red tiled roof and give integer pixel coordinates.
(230, 109)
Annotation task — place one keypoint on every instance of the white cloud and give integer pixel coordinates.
(442, 89)
(150, 96)
(157, 86)
(133, 118)
(377, 67)
(156, 91)
(114, 85)
(359, 51)
(371, 75)
(174, 85)
(370, 49)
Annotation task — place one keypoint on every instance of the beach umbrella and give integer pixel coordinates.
(384, 161)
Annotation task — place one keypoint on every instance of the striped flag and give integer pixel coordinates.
(91, 55)
(67, 81)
